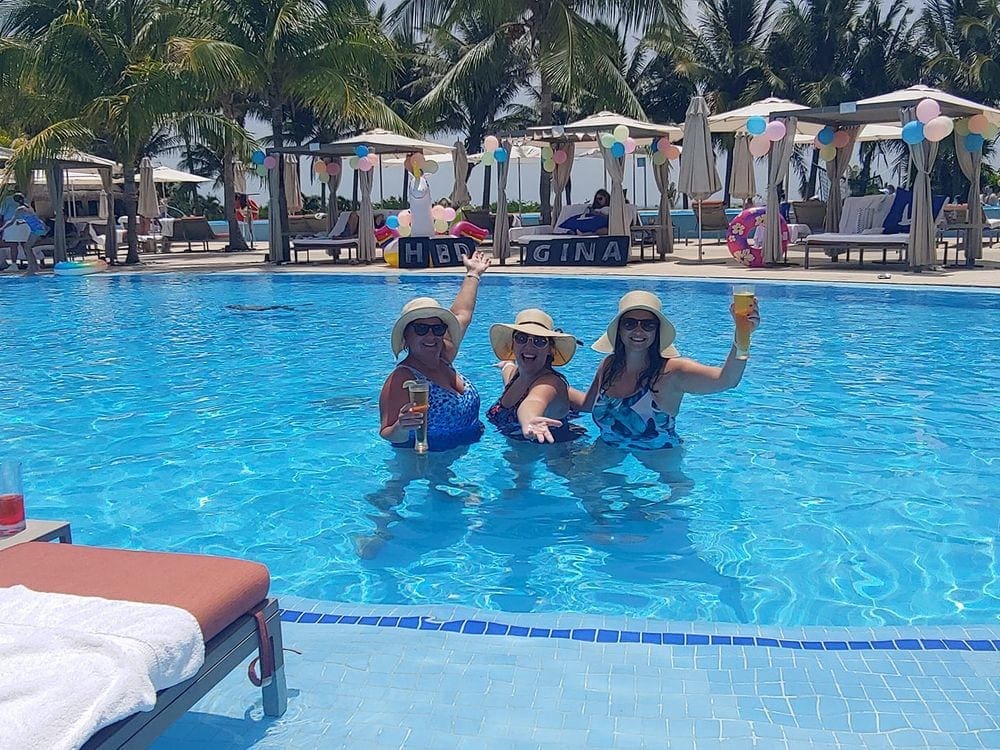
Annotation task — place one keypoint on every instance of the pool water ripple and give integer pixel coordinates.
(850, 480)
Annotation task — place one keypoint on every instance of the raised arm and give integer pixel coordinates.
(689, 376)
(465, 302)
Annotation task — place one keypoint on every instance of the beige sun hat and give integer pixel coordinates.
(649, 302)
(424, 307)
(533, 322)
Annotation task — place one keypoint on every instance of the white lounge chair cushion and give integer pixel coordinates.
(340, 226)
(841, 238)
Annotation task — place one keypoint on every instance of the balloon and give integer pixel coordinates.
(978, 124)
(448, 214)
(775, 131)
(756, 125)
(361, 151)
(431, 167)
(913, 132)
(392, 222)
(440, 225)
(606, 139)
(548, 165)
(353, 162)
(500, 155)
(365, 163)
(620, 133)
(816, 143)
(828, 153)
(759, 145)
(323, 177)
(261, 170)
(547, 152)
(974, 142)
(559, 157)
(659, 158)
(841, 139)
(333, 168)
(962, 126)
(319, 167)
(938, 129)
(405, 230)
(270, 162)
(437, 211)
(257, 157)
(672, 152)
(488, 159)
(927, 110)
(405, 217)
(664, 143)
(419, 160)
(630, 145)
(491, 143)
(825, 136)
(617, 150)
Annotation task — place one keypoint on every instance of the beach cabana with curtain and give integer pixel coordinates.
(378, 142)
(588, 131)
(893, 109)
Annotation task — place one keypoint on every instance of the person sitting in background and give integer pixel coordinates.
(594, 220)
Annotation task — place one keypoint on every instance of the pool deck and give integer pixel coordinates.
(451, 677)
(682, 264)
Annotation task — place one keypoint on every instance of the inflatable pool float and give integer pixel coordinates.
(78, 268)
(745, 237)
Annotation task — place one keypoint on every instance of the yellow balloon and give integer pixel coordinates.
(392, 258)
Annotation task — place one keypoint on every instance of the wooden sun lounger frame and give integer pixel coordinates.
(223, 653)
(901, 247)
(331, 246)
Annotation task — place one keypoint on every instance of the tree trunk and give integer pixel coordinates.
(726, 195)
(236, 240)
(131, 208)
(283, 253)
(487, 172)
(813, 172)
(545, 179)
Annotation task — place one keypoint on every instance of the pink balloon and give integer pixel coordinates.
(365, 163)
(559, 157)
(841, 139)
(270, 162)
(491, 143)
(630, 145)
(775, 131)
(927, 110)
(333, 168)
(672, 152)
(978, 124)
(449, 214)
(759, 145)
(938, 129)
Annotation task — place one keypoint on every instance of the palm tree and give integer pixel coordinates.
(99, 72)
(963, 42)
(559, 37)
(324, 55)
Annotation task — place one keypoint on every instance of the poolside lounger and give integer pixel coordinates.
(227, 597)
(837, 243)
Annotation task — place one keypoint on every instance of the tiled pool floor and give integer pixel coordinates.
(571, 681)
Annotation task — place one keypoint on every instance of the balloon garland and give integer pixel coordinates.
(493, 152)
(664, 151)
(763, 134)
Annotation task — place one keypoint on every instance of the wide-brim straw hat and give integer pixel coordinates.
(533, 322)
(424, 307)
(640, 301)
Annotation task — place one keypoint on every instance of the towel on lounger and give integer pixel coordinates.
(74, 664)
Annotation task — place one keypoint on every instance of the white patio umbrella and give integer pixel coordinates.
(148, 204)
(386, 142)
(698, 179)
(735, 120)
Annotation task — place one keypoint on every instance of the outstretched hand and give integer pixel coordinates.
(753, 316)
(537, 429)
(476, 263)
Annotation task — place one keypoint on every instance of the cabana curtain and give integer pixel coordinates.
(665, 229)
(922, 155)
(366, 218)
(777, 167)
(836, 170)
(971, 163)
(501, 237)
(560, 178)
(618, 223)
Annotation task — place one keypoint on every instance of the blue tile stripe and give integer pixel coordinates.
(605, 635)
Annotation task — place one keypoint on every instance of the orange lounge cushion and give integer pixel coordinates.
(216, 590)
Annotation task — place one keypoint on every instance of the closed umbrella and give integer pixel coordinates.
(366, 218)
(743, 182)
(148, 205)
(293, 189)
(698, 179)
(501, 238)
(460, 195)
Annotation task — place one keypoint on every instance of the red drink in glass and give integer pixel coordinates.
(11, 514)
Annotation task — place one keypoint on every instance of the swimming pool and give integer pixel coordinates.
(851, 480)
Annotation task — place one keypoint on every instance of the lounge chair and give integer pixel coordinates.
(306, 225)
(713, 219)
(332, 242)
(186, 229)
(810, 213)
(228, 598)
(861, 221)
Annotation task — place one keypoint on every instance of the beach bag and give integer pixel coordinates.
(36, 225)
(19, 231)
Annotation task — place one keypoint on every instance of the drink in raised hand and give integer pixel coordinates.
(419, 395)
(743, 305)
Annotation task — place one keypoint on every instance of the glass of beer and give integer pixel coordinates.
(419, 394)
(11, 498)
(743, 305)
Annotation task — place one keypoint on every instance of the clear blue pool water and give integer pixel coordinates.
(851, 480)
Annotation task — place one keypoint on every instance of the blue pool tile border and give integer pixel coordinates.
(610, 635)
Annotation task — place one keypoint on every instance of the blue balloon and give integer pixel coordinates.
(257, 157)
(913, 132)
(618, 150)
(361, 152)
(825, 136)
(392, 222)
(500, 155)
(756, 125)
(974, 142)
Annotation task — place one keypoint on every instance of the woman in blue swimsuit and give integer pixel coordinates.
(637, 391)
(430, 335)
(535, 400)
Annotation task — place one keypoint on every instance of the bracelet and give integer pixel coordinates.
(475, 276)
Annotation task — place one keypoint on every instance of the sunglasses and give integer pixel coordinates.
(630, 324)
(539, 342)
(422, 329)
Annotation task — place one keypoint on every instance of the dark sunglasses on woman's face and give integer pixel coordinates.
(629, 324)
(422, 329)
(538, 342)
